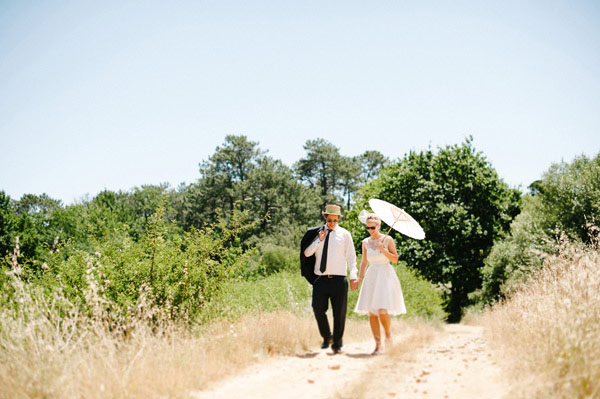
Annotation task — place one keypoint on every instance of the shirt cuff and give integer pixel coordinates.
(312, 248)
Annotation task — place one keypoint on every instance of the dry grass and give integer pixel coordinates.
(547, 331)
(50, 348)
(40, 359)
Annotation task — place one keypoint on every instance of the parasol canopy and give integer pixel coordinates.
(397, 218)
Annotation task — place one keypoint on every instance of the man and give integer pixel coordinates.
(326, 255)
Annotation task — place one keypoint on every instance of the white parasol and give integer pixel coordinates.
(397, 219)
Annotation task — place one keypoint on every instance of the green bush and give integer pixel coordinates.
(566, 199)
(269, 259)
(276, 258)
(178, 273)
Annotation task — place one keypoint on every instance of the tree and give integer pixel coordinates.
(223, 181)
(241, 176)
(7, 225)
(358, 170)
(462, 205)
(236, 158)
(566, 199)
(337, 176)
(350, 178)
(570, 196)
(324, 167)
(34, 227)
(371, 162)
(274, 192)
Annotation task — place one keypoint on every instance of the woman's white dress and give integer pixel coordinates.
(381, 287)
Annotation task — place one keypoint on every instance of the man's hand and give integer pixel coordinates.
(354, 284)
(322, 234)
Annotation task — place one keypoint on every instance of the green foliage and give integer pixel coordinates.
(421, 297)
(336, 176)
(197, 242)
(566, 199)
(7, 225)
(462, 205)
(322, 168)
(44, 226)
(371, 162)
(570, 196)
(34, 226)
(274, 258)
(177, 272)
(240, 176)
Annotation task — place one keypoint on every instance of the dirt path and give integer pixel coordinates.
(454, 363)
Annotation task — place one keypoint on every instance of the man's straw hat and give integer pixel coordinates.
(332, 210)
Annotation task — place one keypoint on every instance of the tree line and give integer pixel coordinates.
(238, 176)
(482, 235)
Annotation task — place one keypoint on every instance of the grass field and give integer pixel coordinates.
(548, 331)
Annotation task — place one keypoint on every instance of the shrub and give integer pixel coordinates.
(180, 272)
(567, 198)
(276, 258)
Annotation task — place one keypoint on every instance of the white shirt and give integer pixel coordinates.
(340, 253)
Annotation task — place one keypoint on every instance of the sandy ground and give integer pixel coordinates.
(455, 363)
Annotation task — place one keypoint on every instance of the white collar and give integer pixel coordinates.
(334, 229)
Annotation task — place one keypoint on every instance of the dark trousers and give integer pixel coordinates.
(336, 290)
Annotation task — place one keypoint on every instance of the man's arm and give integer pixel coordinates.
(350, 256)
(312, 248)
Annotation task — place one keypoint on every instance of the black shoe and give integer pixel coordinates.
(326, 342)
(336, 350)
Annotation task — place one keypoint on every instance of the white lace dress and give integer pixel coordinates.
(381, 287)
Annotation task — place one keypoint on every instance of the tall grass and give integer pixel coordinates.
(48, 349)
(548, 329)
(54, 344)
(53, 348)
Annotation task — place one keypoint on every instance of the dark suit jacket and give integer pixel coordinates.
(307, 264)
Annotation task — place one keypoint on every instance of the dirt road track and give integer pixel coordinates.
(455, 363)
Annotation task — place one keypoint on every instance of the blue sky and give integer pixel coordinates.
(110, 95)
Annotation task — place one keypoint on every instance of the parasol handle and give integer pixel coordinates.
(392, 226)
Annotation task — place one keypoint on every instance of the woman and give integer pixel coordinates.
(380, 295)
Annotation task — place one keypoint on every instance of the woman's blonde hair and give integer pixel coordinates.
(373, 218)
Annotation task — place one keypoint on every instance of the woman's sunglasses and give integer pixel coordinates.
(371, 228)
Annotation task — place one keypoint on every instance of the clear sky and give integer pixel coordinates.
(115, 94)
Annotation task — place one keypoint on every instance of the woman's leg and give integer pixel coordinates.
(386, 322)
(374, 321)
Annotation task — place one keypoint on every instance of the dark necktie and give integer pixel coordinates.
(324, 254)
